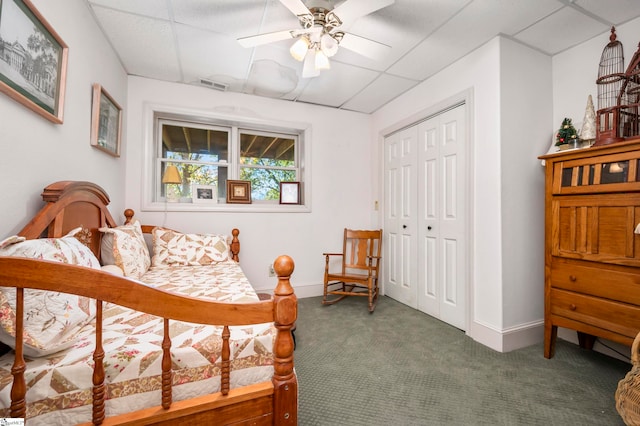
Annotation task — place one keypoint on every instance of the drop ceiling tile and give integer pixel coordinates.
(553, 34)
(476, 24)
(152, 8)
(399, 28)
(614, 11)
(335, 86)
(280, 71)
(221, 16)
(382, 90)
(204, 53)
(145, 45)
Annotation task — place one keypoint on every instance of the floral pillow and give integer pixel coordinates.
(175, 248)
(125, 247)
(52, 320)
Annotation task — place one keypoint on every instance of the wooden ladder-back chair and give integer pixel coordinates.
(358, 275)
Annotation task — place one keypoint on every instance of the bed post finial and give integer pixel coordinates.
(128, 214)
(235, 244)
(285, 305)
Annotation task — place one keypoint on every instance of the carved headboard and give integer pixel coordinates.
(69, 205)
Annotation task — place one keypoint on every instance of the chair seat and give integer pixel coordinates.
(349, 277)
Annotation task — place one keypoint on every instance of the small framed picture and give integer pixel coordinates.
(106, 122)
(239, 191)
(205, 194)
(289, 192)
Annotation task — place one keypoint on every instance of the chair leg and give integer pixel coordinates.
(373, 296)
(326, 300)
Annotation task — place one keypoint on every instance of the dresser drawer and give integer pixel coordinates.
(600, 281)
(617, 317)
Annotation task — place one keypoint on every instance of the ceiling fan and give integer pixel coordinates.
(320, 36)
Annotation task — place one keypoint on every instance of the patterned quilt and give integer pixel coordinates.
(59, 385)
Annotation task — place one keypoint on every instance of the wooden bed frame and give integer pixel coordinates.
(71, 204)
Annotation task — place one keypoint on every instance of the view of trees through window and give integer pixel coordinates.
(205, 155)
(267, 160)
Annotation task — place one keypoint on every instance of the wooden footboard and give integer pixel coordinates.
(73, 204)
(266, 403)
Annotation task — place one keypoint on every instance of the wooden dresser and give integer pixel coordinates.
(592, 255)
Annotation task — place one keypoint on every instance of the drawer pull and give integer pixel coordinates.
(572, 307)
(572, 278)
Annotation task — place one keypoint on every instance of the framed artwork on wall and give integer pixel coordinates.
(33, 60)
(239, 191)
(106, 122)
(205, 194)
(289, 192)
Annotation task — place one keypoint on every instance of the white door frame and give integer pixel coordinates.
(465, 97)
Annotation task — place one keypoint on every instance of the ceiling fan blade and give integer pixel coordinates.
(296, 7)
(260, 39)
(365, 47)
(351, 10)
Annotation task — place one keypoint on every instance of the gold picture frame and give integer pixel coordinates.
(39, 89)
(239, 191)
(106, 122)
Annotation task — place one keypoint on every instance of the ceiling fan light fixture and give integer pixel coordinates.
(328, 45)
(321, 61)
(308, 68)
(299, 49)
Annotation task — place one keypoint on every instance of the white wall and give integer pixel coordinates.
(525, 78)
(35, 152)
(499, 303)
(341, 168)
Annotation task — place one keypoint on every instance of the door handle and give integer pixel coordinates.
(428, 228)
(404, 226)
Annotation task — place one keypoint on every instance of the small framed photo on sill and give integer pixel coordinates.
(289, 192)
(205, 194)
(239, 191)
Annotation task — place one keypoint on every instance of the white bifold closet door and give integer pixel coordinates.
(425, 259)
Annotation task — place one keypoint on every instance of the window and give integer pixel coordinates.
(209, 151)
(266, 160)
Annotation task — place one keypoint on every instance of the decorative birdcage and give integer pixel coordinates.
(610, 80)
(630, 97)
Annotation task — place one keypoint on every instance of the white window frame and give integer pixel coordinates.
(151, 158)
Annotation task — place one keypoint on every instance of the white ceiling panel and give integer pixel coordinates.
(152, 8)
(614, 11)
(189, 40)
(382, 90)
(480, 21)
(288, 71)
(203, 53)
(145, 45)
(335, 88)
(552, 35)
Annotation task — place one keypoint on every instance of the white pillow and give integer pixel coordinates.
(125, 247)
(175, 248)
(52, 320)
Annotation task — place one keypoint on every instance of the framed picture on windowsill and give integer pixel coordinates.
(289, 192)
(239, 191)
(205, 194)
(106, 122)
(33, 60)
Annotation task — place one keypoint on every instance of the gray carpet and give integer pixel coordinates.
(399, 366)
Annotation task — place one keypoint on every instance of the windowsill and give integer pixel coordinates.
(225, 207)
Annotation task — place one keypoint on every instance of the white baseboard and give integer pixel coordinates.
(509, 339)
